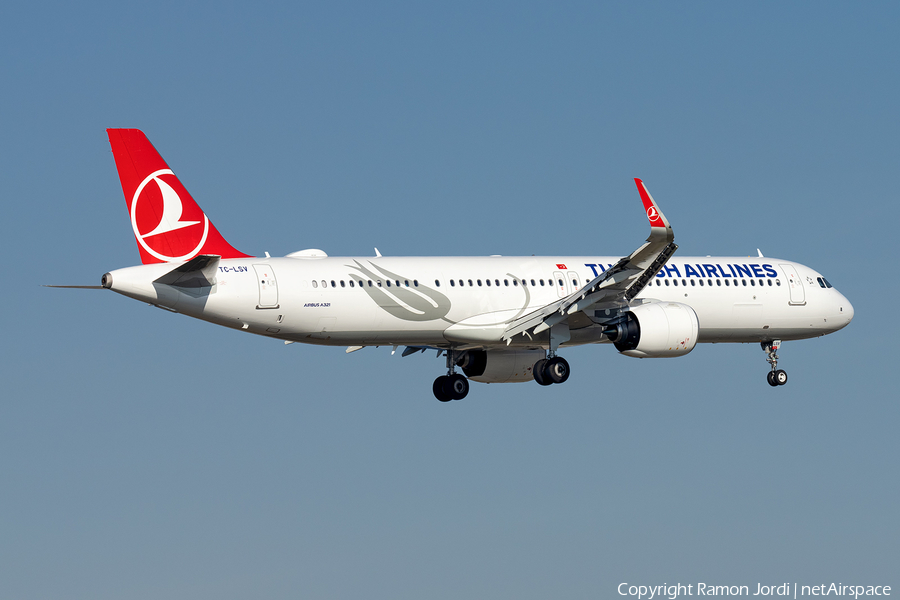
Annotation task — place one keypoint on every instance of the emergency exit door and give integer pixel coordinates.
(561, 283)
(798, 295)
(268, 287)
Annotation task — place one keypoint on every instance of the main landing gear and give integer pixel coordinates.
(776, 376)
(451, 386)
(554, 369)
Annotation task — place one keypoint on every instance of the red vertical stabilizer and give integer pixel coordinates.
(168, 225)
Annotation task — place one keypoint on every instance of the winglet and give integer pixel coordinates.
(658, 220)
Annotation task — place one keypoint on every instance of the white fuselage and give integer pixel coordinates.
(469, 301)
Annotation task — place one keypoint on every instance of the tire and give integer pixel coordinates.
(557, 370)
(438, 389)
(538, 371)
(456, 387)
(770, 377)
(780, 377)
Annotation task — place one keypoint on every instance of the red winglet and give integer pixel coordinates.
(654, 215)
(168, 224)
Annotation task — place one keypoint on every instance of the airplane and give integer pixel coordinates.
(497, 319)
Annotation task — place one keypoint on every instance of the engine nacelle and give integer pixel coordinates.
(659, 330)
(499, 366)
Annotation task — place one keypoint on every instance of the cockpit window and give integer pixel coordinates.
(823, 283)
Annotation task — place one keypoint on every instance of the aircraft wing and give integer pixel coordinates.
(620, 283)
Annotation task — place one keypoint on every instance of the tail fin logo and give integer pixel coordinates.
(158, 210)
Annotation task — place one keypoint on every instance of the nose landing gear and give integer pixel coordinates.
(451, 386)
(776, 376)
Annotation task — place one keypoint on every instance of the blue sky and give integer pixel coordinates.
(146, 455)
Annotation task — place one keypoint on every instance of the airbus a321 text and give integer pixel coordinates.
(497, 319)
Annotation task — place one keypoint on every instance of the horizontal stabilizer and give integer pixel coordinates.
(198, 272)
(77, 287)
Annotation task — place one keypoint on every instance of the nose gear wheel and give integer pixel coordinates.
(776, 376)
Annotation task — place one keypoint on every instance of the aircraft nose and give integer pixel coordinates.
(847, 309)
(844, 310)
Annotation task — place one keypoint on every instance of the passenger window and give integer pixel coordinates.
(324, 283)
(332, 283)
(709, 282)
(370, 283)
(753, 282)
(342, 283)
(388, 282)
(452, 283)
(693, 282)
(532, 283)
(479, 283)
(470, 283)
(378, 281)
(667, 282)
(719, 282)
(515, 283)
(542, 282)
(744, 282)
(683, 282)
(437, 283)
(397, 281)
(770, 283)
(506, 282)
(315, 283)
(675, 282)
(575, 283)
(416, 282)
(701, 283)
(497, 282)
(488, 282)
(727, 282)
(778, 282)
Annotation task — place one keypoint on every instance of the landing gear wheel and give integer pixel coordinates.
(455, 386)
(776, 376)
(780, 377)
(438, 389)
(556, 370)
(539, 371)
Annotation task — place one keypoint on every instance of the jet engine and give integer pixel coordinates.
(499, 366)
(660, 330)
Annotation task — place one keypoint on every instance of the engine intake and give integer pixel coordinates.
(660, 330)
